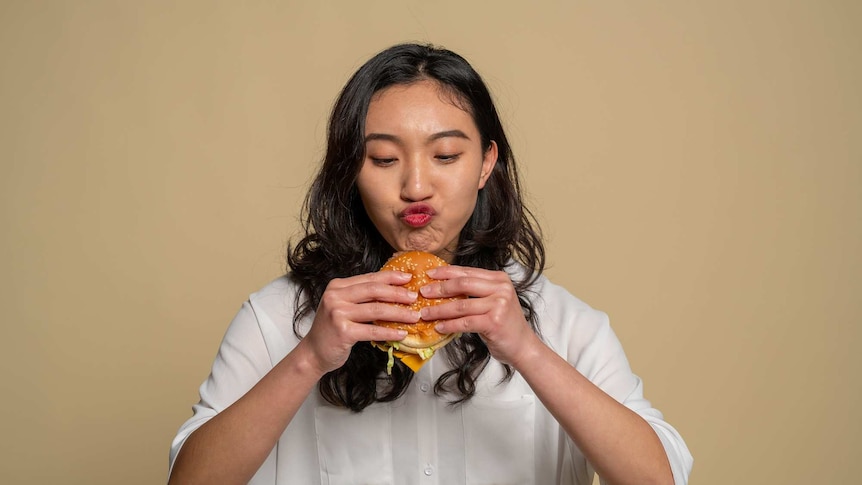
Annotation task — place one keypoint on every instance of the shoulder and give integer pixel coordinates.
(277, 287)
(274, 304)
(279, 293)
(268, 316)
(566, 323)
(547, 296)
(560, 312)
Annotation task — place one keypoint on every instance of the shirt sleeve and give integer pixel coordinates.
(242, 360)
(604, 362)
(584, 337)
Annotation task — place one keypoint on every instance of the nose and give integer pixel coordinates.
(417, 181)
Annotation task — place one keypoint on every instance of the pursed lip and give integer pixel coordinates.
(417, 215)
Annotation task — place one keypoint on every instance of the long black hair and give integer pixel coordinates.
(340, 240)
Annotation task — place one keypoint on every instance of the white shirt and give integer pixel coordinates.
(503, 435)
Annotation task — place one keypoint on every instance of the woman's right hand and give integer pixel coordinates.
(346, 307)
(231, 446)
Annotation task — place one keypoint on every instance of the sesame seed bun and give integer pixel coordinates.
(421, 336)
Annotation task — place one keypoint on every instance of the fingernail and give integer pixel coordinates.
(402, 334)
(413, 295)
(439, 328)
(403, 277)
(423, 312)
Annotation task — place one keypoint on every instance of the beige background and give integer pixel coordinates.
(696, 165)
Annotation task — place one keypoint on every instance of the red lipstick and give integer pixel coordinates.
(417, 215)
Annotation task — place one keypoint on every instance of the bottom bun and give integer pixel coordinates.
(413, 357)
(421, 349)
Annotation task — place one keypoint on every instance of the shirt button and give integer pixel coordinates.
(429, 470)
(424, 388)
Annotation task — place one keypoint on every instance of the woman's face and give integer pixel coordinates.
(423, 167)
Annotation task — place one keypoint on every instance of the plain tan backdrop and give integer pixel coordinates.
(696, 167)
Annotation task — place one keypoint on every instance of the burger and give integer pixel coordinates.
(422, 339)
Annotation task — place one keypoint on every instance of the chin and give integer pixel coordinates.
(444, 251)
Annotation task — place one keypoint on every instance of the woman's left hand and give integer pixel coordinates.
(492, 310)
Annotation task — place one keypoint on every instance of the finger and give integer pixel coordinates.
(464, 285)
(397, 278)
(453, 271)
(376, 310)
(391, 277)
(468, 324)
(467, 315)
(485, 323)
(383, 286)
(454, 309)
(368, 292)
(368, 332)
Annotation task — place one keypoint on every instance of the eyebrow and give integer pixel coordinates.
(434, 137)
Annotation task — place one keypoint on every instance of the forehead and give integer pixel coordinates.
(423, 104)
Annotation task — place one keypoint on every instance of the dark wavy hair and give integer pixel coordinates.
(340, 241)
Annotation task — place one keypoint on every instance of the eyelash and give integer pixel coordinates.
(382, 161)
(448, 158)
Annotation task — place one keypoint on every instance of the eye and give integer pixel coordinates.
(382, 162)
(448, 158)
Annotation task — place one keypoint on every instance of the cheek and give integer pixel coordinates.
(375, 187)
(467, 189)
(365, 187)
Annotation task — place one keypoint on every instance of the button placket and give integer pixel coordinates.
(427, 427)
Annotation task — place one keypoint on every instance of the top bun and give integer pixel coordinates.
(420, 335)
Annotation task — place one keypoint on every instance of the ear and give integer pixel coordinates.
(488, 162)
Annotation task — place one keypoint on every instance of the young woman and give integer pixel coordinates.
(536, 390)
